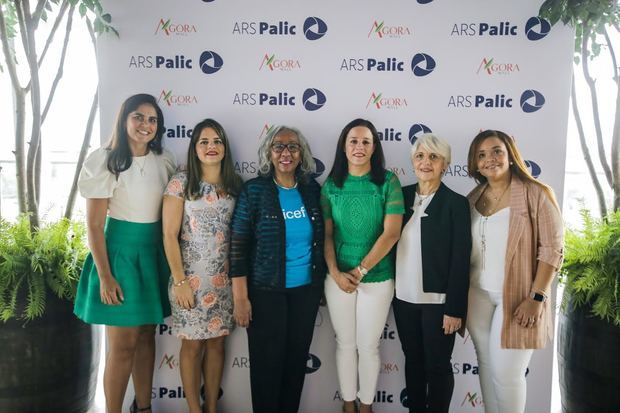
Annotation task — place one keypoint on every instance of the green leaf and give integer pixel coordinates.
(82, 10)
(44, 15)
(107, 18)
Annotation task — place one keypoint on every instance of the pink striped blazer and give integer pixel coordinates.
(535, 233)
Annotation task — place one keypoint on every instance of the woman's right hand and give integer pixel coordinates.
(242, 311)
(110, 291)
(346, 281)
(184, 296)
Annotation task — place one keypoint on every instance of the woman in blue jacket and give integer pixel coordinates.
(277, 268)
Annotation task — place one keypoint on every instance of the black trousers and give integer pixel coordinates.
(279, 338)
(428, 351)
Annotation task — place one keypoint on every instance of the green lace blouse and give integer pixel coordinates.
(357, 211)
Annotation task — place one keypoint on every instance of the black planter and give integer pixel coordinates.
(588, 362)
(50, 364)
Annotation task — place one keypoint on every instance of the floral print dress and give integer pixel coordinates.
(205, 241)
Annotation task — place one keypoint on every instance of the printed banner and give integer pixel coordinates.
(450, 67)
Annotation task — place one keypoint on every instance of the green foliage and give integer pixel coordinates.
(588, 17)
(591, 270)
(51, 258)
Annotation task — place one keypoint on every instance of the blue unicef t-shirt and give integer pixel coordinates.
(298, 238)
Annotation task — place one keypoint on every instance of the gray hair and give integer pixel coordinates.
(307, 165)
(435, 144)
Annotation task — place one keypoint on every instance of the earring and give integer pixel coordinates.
(510, 163)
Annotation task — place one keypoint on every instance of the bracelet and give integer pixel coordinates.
(180, 283)
(362, 270)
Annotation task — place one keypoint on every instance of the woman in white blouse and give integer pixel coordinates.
(125, 277)
(432, 277)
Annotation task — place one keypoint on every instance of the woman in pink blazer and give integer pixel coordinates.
(517, 241)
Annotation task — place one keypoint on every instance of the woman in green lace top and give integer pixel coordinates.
(363, 209)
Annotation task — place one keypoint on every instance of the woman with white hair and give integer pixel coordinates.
(432, 277)
(277, 268)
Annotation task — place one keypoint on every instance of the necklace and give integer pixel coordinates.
(493, 206)
(422, 198)
(285, 187)
(141, 167)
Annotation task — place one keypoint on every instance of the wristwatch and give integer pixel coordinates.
(536, 296)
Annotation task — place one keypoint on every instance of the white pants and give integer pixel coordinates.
(502, 371)
(358, 320)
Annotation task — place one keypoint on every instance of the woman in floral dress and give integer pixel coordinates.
(198, 206)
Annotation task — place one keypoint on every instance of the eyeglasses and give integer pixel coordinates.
(292, 147)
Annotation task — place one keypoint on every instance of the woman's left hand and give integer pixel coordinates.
(528, 313)
(451, 324)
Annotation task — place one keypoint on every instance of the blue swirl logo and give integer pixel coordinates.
(312, 363)
(416, 130)
(424, 1)
(404, 399)
(210, 62)
(537, 28)
(422, 64)
(534, 168)
(319, 169)
(313, 99)
(531, 101)
(314, 28)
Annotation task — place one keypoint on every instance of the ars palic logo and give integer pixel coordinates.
(381, 30)
(416, 130)
(422, 64)
(534, 168)
(314, 28)
(170, 28)
(313, 363)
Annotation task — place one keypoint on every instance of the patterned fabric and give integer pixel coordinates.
(358, 210)
(205, 241)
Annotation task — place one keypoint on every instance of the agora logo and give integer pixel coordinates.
(379, 101)
(169, 28)
(382, 30)
(170, 99)
(266, 129)
(491, 67)
(272, 63)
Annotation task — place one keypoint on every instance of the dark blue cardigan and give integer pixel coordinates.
(258, 245)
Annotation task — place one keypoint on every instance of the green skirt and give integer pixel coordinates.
(139, 265)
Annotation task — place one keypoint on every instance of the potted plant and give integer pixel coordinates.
(589, 322)
(49, 358)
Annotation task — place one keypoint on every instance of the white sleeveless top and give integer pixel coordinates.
(488, 253)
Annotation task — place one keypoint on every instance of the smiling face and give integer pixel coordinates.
(210, 147)
(492, 159)
(428, 166)
(285, 153)
(141, 127)
(359, 147)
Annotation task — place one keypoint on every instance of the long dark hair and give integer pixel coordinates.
(119, 158)
(231, 181)
(516, 164)
(340, 167)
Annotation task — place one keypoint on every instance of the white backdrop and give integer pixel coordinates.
(451, 67)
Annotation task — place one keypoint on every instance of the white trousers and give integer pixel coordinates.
(358, 320)
(501, 371)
